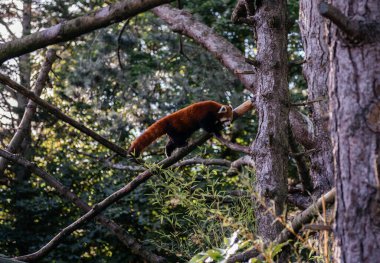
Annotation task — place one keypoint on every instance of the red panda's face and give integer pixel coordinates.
(225, 115)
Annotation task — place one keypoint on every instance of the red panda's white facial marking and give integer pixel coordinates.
(225, 115)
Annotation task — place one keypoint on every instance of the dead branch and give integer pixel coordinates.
(233, 146)
(60, 115)
(236, 165)
(118, 231)
(70, 29)
(206, 162)
(308, 102)
(101, 206)
(30, 108)
(315, 227)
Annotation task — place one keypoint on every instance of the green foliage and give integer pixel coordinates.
(195, 211)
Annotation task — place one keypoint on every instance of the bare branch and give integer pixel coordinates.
(60, 115)
(70, 29)
(316, 227)
(233, 146)
(2, 22)
(127, 240)
(309, 102)
(207, 162)
(30, 108)
(119, 42)
(229, 56)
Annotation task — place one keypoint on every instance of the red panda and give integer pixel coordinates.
(180, 125)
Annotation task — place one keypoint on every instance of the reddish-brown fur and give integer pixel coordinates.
(181, 124)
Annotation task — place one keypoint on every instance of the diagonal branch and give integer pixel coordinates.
(229, 56)
(127, 240)
(101, 206)
(70, 29)
(60, 115)
(30, 108)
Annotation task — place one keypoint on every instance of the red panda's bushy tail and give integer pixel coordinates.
(151, 134)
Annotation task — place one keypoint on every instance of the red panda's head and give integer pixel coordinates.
(225, 115)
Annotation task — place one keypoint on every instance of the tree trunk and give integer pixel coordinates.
(354, 89)
(315, 70)
(270, 148)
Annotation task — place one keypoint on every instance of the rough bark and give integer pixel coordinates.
(315, 70)
(78, 26)
(354, 90)
(270, 148)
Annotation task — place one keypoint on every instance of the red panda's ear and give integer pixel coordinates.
(222, 109)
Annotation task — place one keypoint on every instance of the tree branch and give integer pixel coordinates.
(30, 108)
(233, 146)
(60, 115)
(127, 240)
(70, 29)
(196, 160)
(229, 56)
(101, 206)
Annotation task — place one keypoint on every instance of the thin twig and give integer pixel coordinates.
(308, 102)
(119, 42)
(307, 152)
(316, 227)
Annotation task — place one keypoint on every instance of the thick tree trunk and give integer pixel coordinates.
(315, 70)
(270, 148)
(354, 89)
